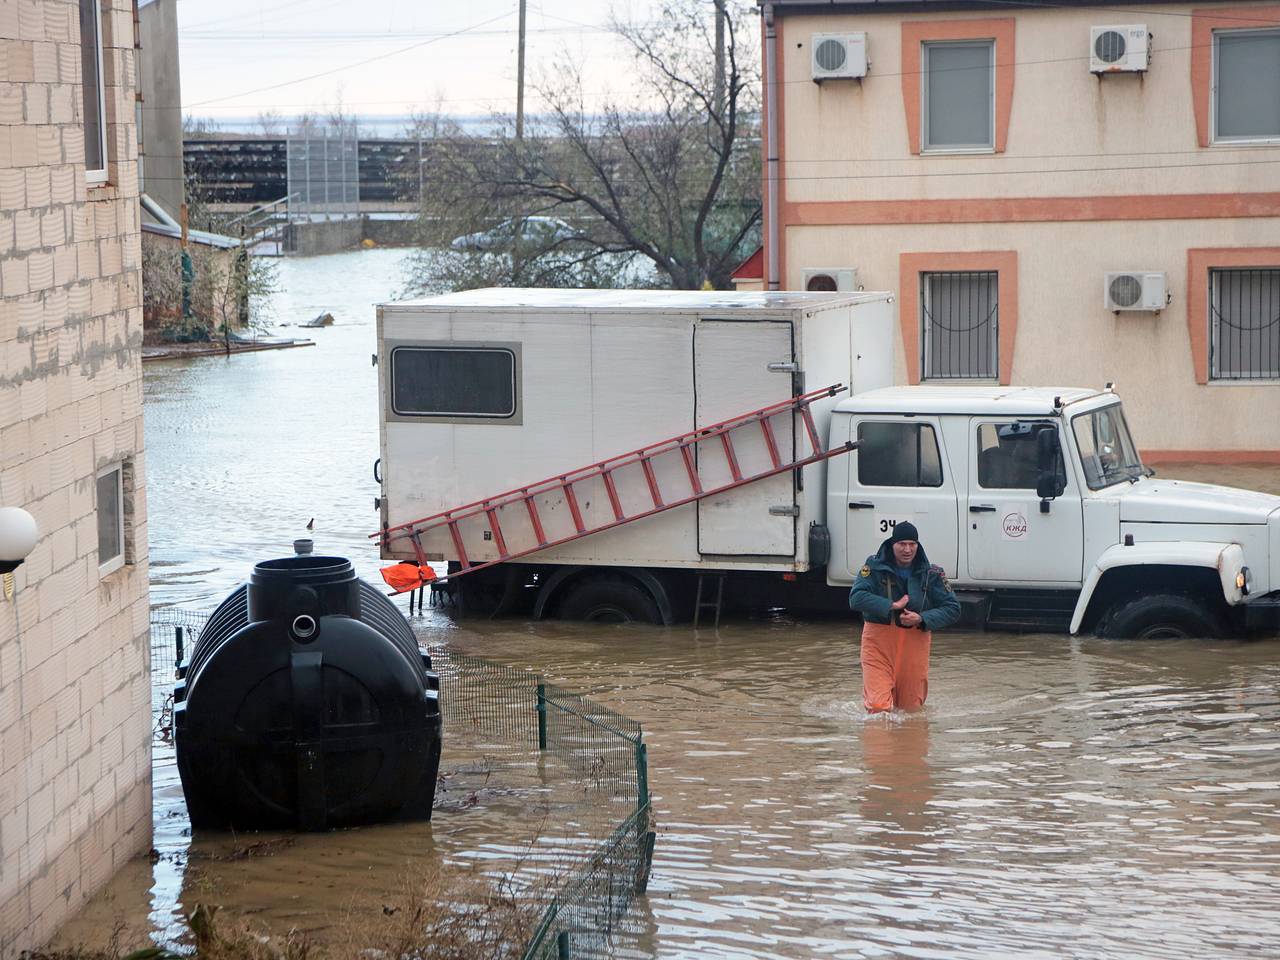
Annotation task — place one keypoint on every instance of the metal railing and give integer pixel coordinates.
(960, 313)
(496, 707)
(1244, 339)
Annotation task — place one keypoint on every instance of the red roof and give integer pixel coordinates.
(751, 268)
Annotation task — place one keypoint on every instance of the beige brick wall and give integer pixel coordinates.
(75, 791)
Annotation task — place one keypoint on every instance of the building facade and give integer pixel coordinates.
(1060, 194)
(75, 718)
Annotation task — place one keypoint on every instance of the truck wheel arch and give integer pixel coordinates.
(1203, 570)
(563, 578)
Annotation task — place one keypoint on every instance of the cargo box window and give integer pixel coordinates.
(898, 455)
(454, 382)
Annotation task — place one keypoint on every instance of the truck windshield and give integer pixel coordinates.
(1107, 453)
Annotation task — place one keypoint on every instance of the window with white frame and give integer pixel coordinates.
(960, 319)
(958, 112)
(94, 105)
(1246, 85)
(110, 519)
(1244, 320)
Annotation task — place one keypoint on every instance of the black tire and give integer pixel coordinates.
(1163, 616)
(479, 594)
(609, 599)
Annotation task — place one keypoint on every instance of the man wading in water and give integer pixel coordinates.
(902, 599)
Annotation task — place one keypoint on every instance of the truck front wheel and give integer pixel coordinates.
(609, 600)
(1162, 616)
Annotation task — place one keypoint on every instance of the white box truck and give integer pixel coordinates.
(1034, 500)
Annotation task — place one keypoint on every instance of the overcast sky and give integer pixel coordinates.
(244, 57)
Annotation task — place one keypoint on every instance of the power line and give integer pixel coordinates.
(358, 63)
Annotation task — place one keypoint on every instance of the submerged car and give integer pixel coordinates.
(538, 232)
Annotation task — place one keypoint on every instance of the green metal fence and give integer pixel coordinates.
(500, 708)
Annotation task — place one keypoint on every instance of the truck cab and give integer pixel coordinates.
(1037, 505)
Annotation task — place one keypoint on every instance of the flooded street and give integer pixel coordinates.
(1057, 797)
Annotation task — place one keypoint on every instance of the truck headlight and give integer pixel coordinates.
(1243, 579)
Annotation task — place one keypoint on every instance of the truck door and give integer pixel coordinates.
(899, 472)
(732, 376)
(1009, 539)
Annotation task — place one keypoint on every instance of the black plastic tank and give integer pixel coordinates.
(306, 703)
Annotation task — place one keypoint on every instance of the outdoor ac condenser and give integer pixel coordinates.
(1119, 49)
(839, 56)
(830, 278)
(1135, 290)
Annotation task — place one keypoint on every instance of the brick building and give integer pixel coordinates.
(75, 791)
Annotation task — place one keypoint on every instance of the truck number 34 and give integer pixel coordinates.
(887, 525)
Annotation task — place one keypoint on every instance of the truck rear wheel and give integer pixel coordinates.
(609, 600)
(1163, 616)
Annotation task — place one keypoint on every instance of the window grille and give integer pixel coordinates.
(1244, 318)
(961, 316)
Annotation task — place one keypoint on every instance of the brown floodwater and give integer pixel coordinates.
(1057, 797)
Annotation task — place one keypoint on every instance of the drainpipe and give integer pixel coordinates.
(772, 281)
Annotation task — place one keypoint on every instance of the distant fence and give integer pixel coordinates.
(496, 706)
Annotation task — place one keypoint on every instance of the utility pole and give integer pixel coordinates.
(520, 78)
(719, 93)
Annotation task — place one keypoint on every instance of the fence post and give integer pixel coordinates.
(177, 646)
(542, 716)
(642, 775)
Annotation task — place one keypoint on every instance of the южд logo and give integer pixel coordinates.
(1015, 526)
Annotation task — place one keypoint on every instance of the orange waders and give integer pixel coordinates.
(895, 667)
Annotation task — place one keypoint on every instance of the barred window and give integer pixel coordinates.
(1244, 318)
(960, 315)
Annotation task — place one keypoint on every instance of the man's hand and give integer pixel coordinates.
(909, 618)
(899, 603)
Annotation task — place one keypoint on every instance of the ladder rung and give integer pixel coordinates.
(612, 491)
(574, 510)
(457, 544)
(729, 455)
(770, 442)
(651, 478)
(689, 467)
(535, 520)
(501, 544)
(815, 441)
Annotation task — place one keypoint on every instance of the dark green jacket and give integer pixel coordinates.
(878, 586)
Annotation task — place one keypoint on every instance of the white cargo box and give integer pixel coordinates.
(490, 390)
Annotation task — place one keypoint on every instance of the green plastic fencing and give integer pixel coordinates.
(502, 708)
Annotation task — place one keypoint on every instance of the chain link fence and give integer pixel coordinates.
(500, 710)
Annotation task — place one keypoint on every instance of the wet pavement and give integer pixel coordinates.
(1057, 797)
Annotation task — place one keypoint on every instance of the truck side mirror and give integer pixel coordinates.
(1049, 483)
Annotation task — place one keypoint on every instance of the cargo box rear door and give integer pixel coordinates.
(732, 377)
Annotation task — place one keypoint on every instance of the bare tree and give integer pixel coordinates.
(670, 174)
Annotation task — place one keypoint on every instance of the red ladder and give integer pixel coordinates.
(563, 484)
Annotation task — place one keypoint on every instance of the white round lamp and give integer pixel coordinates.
(18, 536)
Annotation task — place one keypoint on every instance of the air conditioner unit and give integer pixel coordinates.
(1119, 49)
(830, 278)
(839, 56)
(1135, 290)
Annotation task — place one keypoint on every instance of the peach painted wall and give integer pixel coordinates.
(1065, 336)
(1095, 175)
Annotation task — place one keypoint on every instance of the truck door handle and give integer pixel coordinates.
(861, 505)
(981, 508)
